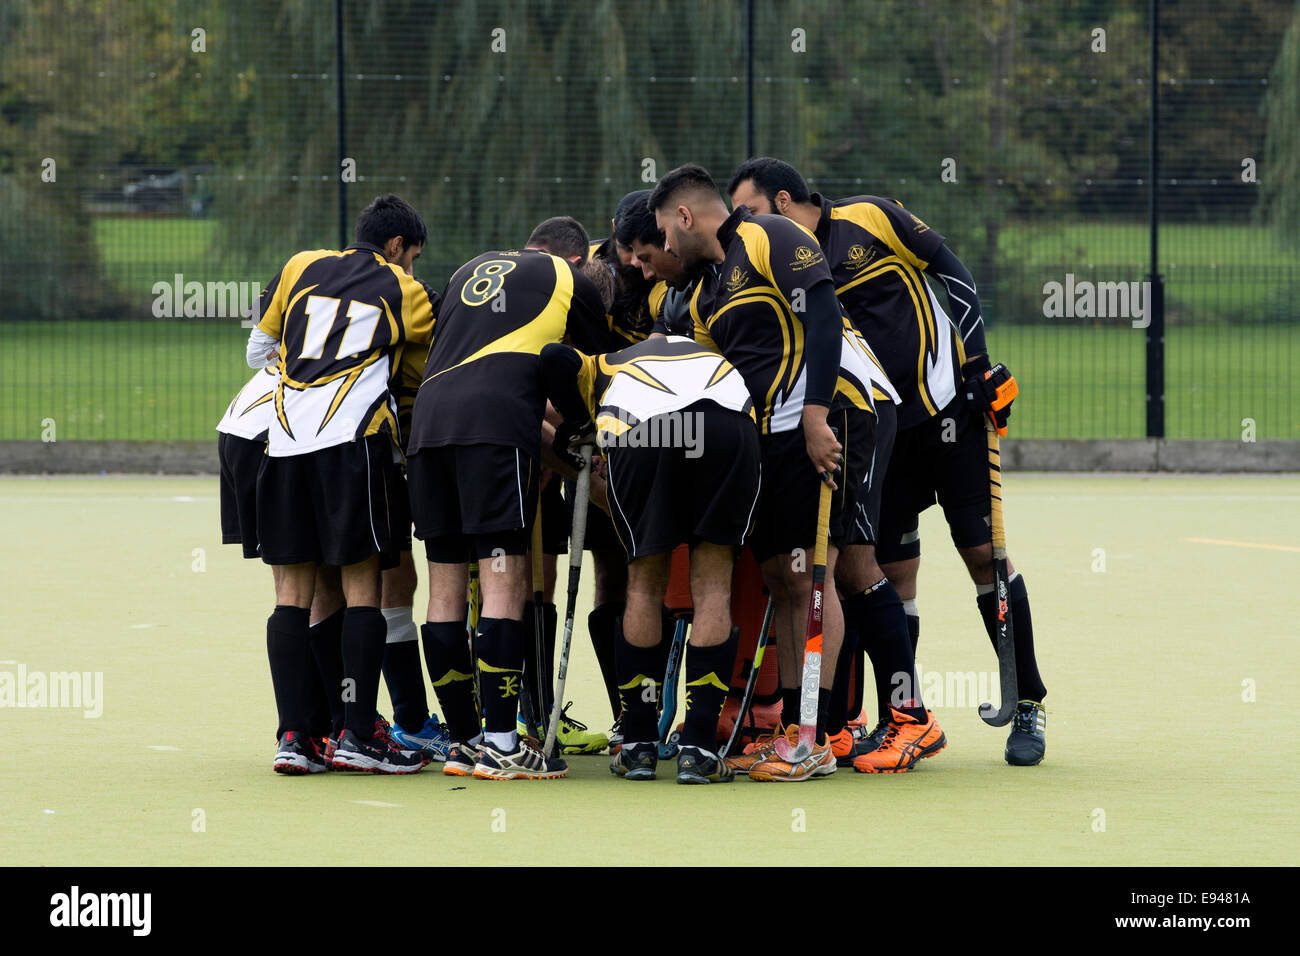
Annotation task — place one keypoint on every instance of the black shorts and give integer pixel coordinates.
(787, 509)
(240, 459)
(601, 534)
(944, 459)
(557, 516)
(867, 523)
(662, 497)
(471, 501)
(329, 506)
(399, 501)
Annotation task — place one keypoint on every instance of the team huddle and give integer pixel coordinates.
(760, 385)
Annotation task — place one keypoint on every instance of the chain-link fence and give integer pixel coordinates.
(159, 160)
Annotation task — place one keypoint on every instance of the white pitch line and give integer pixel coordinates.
(162, 747)
(376, 803)
(1244, 544)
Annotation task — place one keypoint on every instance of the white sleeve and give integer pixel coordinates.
(260, 346)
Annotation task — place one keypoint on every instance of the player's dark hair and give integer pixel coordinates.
(770, 176)
(390, 216)
(634, 220)
(561, 236)
(692, 177)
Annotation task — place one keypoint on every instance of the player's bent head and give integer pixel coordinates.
(687, 185)
(561, 236)
(635, 222)
(758, 184)
(599, 272)
(391, 217)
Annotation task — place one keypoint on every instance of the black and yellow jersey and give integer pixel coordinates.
(624, 388)
(252, 411)
(408, 373)
(748, 308)
(480, 382)
(629, 319)
(877, 251)
(340, 319)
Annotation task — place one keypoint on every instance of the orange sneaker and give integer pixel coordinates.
(842, 743)
(761, 749)
(863, 719)
(906, 742)
(819, 763)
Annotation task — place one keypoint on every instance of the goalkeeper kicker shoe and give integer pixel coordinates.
(700, 766)
(635, 761)
(432, 739)
(907, 741)
(297, 754)
(525, 762)
(374, 756)
(1028, 741)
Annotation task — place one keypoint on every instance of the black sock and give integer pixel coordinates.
(602, 625)
(451, 670)
(405, 679)
(823, 712)
(914, 631)
(364, 630)
(882, 629)
(640, 682)
(289, 653)
(844, 675)
(326, 638)
(707, 672)
(500, 644)
(789, 707)
(1029, 685)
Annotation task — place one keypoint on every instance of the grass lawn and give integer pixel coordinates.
(1168, 712)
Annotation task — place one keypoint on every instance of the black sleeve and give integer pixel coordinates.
(558, 367)
(963, 301)
(586, 326)
(823, 328)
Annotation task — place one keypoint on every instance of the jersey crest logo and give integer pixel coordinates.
(919, 227)
(805, 256)
(859, 257)
(738, 279)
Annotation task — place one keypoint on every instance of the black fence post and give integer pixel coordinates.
(1155, 331)
(749, 79)
(342, 116)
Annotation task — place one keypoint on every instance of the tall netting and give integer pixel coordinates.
(160, 159)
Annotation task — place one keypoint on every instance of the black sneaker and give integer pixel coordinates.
(699, 766)
(864, 742)
(525, 762)
(635, 761)
(374, 756)
(1028, 741)
(461, 758)
(297, 754)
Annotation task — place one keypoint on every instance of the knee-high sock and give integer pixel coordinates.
(1029, 684)
(363, 658)
(501, 643)
(602, 625)
(289, 653)
(707, 671)
(844, 677)
(640, 682)
(548, 657)
(326, 639)
(882, 629)
(451, 671)
(402, 671)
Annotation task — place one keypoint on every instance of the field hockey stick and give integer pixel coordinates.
(1004, 633)
(668, 713)
(812, 648)
(576, 539)
(536, 689)
(751, 682)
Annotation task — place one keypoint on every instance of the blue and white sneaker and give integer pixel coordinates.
(432, 740)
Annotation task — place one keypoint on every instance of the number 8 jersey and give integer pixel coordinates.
(497, 312)
(341, 319)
